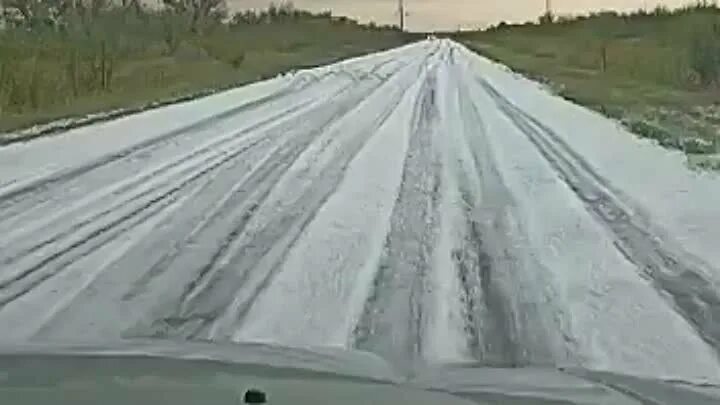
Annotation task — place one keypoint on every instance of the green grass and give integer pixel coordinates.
(122, 59)
(657, 72)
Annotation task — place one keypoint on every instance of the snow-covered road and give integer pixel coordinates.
(423, 203)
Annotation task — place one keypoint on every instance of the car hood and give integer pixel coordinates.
(42, 371)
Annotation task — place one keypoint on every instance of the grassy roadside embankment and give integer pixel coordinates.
(128, 56)
(657, 72)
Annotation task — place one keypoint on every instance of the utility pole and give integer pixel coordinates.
(548, 7)
(401, 10)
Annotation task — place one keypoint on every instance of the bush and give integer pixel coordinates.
(704, 52)
(699, 146)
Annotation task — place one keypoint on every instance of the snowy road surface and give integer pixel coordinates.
(424, 204)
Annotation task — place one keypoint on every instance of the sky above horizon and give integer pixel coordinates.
(426, 15)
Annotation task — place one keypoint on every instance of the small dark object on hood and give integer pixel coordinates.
(253, 396)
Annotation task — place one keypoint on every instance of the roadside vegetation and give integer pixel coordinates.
(68, 58)
(658, 72)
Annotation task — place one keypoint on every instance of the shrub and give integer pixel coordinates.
(704, 52)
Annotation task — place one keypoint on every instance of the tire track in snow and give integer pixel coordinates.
(23, 217)
(476, 203)
(250, 241)
(495, 301)
(69, 239)
(11, 195)
(323, 170)
(490, 323)
(52, 256)
(506, 328)
(36, 267)
(490, 317)
(126, 280)
(214, 205)
(393, 322)
(303, 281)
(81, 186)
(186, 265)
(82, 274)
(134, 191)
(677, 275)
(136, 295)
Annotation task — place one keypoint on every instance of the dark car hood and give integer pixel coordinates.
(51, 365)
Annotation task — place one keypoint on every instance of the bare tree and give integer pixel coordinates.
(30, 13)
(199, 11)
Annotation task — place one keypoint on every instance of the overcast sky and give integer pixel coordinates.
(451, 14)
